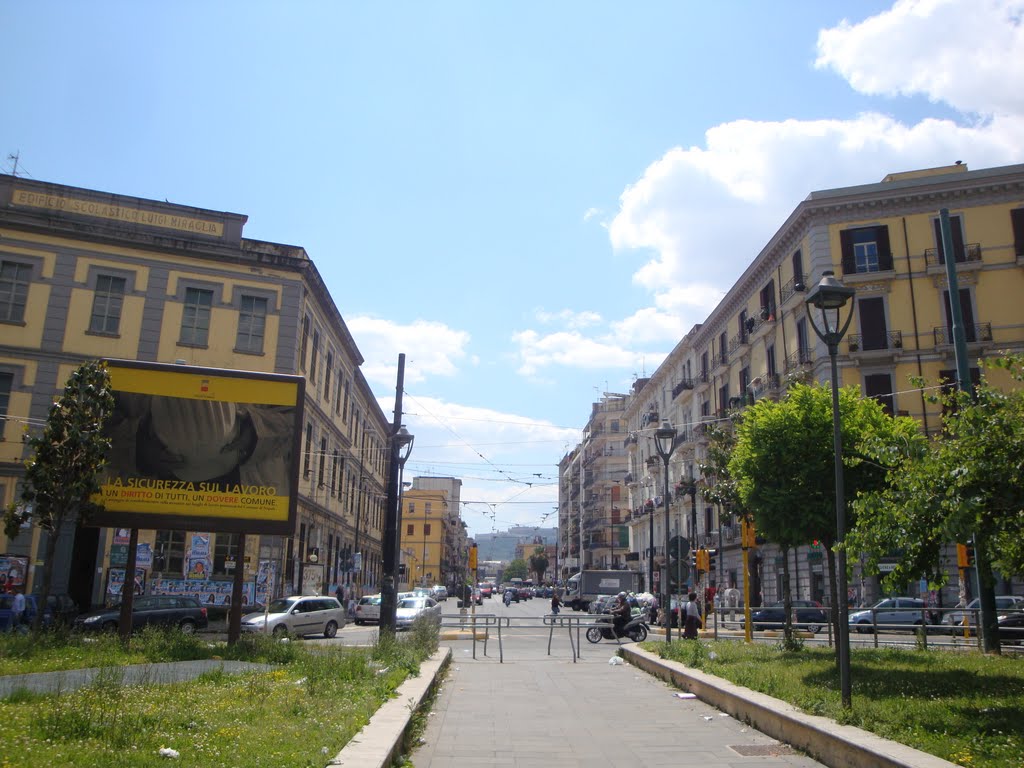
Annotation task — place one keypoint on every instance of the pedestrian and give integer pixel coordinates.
(507, 597)
(339, 593)
(556, 604)
(691, 622)
(17, 610)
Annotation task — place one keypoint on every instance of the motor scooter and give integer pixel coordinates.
(635, 629)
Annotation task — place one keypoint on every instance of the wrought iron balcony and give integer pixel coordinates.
(683, 384)
(868, 342)
(933, 257)
(974, 334)
(740, 340)
(798, 284)
(798, 359)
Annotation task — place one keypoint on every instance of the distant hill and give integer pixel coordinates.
(502, 545)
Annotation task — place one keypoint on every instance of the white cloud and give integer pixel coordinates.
(591, 213)
(569, 348)
(431, 348)
(568, 317)
(966, 53)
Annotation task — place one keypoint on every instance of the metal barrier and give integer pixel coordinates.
(574, 624)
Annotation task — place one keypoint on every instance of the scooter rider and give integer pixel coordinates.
(622, 612)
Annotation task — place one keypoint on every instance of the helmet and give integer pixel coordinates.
(622, 595)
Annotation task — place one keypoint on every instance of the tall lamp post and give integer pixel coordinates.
(829, 297)
(665, 442)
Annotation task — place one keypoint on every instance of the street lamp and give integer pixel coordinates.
(829, 297)
(401, 447)
(665, 442)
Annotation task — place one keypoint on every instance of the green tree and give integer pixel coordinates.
(62, 473)
(783, 467)
(516, 570)
(539, 564)
(964, 486)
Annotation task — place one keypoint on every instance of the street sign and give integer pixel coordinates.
(678, 547)
(678, 576)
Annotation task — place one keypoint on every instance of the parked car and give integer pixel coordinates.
(906, 613)
(60, 609)
(1011, 627)
(412, 608)
(953, 621)
(423, 592)
(809, 616)
(185, 613)
(6, 610)
(368, 609)
(298, 615)
(440, 592)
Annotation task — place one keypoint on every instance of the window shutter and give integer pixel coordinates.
(1017, 219)
(884, 250)
(846, 243)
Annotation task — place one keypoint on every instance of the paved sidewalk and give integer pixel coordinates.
(539, 711)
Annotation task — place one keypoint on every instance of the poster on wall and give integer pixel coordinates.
(12, 572)
(266, 579)
(313, 579)
(115, 582)
(207, 592)
(197, 561)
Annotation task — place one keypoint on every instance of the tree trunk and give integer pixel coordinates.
(51, 550)
(988, 624)
(787, 597)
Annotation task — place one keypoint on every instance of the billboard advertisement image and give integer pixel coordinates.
(201, 448)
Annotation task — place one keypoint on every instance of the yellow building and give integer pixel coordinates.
(87, 274)
(422, 536)
(881, 239)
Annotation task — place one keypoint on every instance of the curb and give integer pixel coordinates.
(835, 745)
(380, 741)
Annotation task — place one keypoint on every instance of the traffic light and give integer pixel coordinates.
(712, 557)
(703, 561)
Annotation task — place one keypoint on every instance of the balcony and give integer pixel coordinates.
(978, 333)
(721, 359)
(859, 342)
(683, 385)
(971, 254)
(798, 360)
(793, 287)
(651, 417)
(765, 384)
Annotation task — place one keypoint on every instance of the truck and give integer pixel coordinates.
(581, 589)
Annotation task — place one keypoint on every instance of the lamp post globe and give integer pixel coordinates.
(829, 297)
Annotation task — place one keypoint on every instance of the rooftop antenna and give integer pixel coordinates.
(15, 157)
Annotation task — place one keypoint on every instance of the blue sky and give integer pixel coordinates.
(533, 201)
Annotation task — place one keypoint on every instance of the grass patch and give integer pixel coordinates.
(301, 713)
(963, 707)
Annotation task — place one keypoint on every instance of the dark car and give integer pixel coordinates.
(809, 616)
(6, 611)
(1011, 627)
(185, 613)
(525, 593)
(60, 609)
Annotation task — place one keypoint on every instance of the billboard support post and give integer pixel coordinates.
(124, 626)
(235, 611)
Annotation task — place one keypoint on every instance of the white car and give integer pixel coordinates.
(368, 609)
(299, 615)
(412, 608)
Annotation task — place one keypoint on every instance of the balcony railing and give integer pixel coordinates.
(798, 359)
(739, 341)
(765, 383)
(861, 342)
(722, 358)
(651, 417)
(683, 384)
(793, 287)
(971, 253)
(974, 334)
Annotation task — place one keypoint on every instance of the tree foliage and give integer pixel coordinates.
(63, 469)
(539, 564)
(964, 486)
(516, 570)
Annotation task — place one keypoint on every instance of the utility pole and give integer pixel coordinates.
(359, 510)
(389, 584)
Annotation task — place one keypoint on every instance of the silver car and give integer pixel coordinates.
(412, 608)
(299, 615)
(953, 621)
(896, 613)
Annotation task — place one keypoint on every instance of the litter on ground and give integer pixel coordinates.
(685, 695)
(615, 661)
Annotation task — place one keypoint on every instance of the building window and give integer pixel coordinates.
(427, 507)
(337, 393)
(107, 301)
(6, 383)
(344, 407)
(225, 552)
(874, 333)
(195, 317)
(315, 356)
(309, 449)
(879, 386)
(334, 472)
(252, 323)
(169, 552)
(304, 344)
(322, 462)
(1017, 222)
(327, 375)
(956, 233)
(409, 529)
(426, 529)
(865, 249)
(966, 314)
(14, 280)
(412, 507)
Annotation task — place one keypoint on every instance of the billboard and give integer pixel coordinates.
(201, 449)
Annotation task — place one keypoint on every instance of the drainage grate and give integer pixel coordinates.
(762, 750)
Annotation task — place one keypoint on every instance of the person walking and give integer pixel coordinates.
(556, 604)
(691, 622)
(17, 610)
